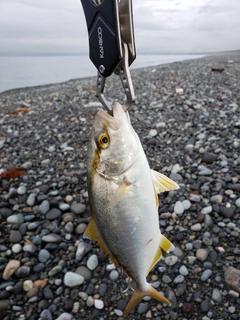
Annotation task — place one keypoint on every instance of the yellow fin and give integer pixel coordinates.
(156, 259)
(138, 295)
(93, 233)
(162, 183)
(164, 244)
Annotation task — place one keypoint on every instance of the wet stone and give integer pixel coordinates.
(53, 214)
(22, 272)
(142, 307)
(46, 315)
(43, 255)
(53, 238)
(232, 278)
(227, 212)
(72, 279)
(44, 207)
(204, 306)
(78, 208)
(206, 275)
(15, 236)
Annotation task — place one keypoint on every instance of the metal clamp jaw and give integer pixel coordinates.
(111, 44)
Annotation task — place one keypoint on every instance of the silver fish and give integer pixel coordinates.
(123, 200)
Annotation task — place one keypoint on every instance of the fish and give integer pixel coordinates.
(123, 197)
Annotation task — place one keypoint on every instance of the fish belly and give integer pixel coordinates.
(129, 225)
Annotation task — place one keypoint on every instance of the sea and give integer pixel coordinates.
(27, 71)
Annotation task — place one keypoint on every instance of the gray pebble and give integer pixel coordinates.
(44, 207)
(65, 316)
(82, 249)
(31, 199)
(53, 214)
(238, 202)
(46, 315)
(142, 307)
(21, 190)
(78, 208)
(113, 276)
(52, 238)
(183, 270)
(216, 295)
(43, 255)
(206, 275)
(84, 272)
(92, 262)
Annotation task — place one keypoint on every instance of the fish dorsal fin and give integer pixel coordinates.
(93, 233)
(162, 183)
(164, 244)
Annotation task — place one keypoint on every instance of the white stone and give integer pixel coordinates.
(206, 210)
(98, 304)
(72, 279)
(178, 208)
(92, 262)
(176, 168)
(16, 248)
(171, 260)
(51, 149)
(27, 285)
(90, 301)
(161, 125)
(196, 227)
(152, 133)
(186, 204)
(69, 198)
(118, 312)
(179, 90)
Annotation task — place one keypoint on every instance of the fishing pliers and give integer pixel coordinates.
(111, 44)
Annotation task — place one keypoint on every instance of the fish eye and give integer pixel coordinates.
(103, 140)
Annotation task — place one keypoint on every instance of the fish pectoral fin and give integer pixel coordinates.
(138, 295)
(120, 193)
(162, 183)
(93, 233)
(164, 244)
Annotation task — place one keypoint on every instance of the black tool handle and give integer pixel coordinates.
(105, 50)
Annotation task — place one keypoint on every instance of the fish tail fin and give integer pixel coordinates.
(138, 295)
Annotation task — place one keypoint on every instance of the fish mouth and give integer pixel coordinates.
(114, 122)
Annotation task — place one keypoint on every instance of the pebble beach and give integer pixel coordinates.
(187, 115)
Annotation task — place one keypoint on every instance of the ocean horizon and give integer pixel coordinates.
(28, 71)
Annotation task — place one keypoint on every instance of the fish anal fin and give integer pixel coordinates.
(165, 244)
(162, 183)
(157, 257)
(93, 233)
(138, 295)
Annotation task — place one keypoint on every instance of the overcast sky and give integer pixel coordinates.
(161, 26)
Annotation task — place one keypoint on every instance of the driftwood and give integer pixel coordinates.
(218, 69)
